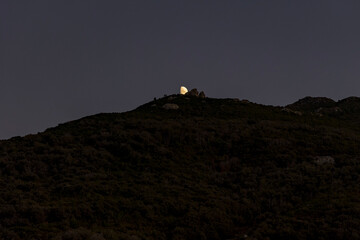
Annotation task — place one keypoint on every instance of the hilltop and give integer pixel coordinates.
(200, 168)
(322, 105)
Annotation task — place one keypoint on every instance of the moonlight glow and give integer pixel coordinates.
(183, 90)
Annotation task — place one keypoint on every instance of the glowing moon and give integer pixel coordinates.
(183, 90)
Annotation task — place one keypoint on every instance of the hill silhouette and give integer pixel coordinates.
(209, 169)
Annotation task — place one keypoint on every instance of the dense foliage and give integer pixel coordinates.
(212, 169)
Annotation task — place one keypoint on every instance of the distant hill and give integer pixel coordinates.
(185, 167)
(327, 106)
(312, 104)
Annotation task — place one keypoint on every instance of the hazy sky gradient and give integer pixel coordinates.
(62, 60)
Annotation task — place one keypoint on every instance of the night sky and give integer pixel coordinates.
(65, 59)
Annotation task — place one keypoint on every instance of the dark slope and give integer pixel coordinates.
(212, 169)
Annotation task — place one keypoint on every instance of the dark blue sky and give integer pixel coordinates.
(62, 60)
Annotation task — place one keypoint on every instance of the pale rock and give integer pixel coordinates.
(170, 106)
(320, 160)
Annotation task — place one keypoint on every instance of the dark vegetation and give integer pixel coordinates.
(212, 169)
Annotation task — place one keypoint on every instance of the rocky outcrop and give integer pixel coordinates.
(170, 106)
(193, 92)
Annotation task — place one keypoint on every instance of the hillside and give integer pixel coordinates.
(211, 169)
